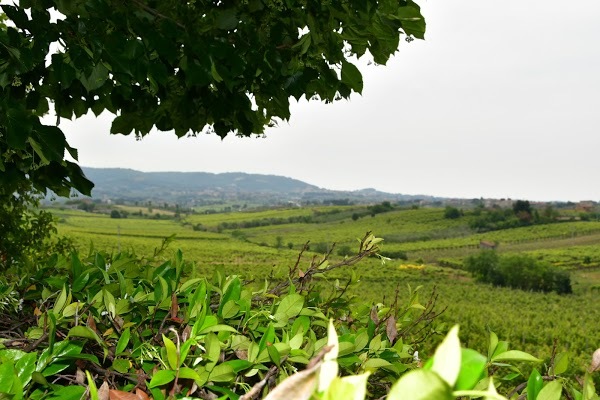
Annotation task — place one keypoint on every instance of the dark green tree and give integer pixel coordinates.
(115, 214)
(182, 66)
(451, 212)
(26, 234)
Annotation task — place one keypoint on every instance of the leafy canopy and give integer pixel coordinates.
(186, 66)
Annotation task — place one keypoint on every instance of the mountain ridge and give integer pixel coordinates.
(189, 188)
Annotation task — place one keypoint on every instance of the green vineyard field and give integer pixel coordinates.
(260, 244)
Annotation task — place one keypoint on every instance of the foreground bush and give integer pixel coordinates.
(122, 327)
(129, 324)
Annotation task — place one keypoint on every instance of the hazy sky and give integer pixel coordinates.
(502, 99)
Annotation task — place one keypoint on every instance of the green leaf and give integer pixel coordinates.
(239, 365)
(172, 356)
(213, 347)
(230, 309)
(374, 363)
(412, 21)
(352, 77)
(215, 73)
(551, 391)
(354, 387)
(96, 78)
(420, 384)
(561, 363)
(493, 344)
(121, 365)
(188, 373)
(123, 341)
(72, 392)
(534, 384)
(25, 367)
(515, 355)
(447, 357)
(161, 377)
(289, 307)
(109, 303)
(72, 309)
(274, 354)
(60, 301)
(85, 332)
(92, 386)
(226, 19)
(472, 366)
(501, 347)
(329, 367)
(217, 328)
(190, 283)
(123, 124)
(232, 292)
(222, 373)
(267, 337)
(7, 377)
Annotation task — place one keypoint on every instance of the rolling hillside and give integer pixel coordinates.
(192, 188)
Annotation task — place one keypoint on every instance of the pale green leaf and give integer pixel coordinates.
(552, 391)
(447, 357)
(420, 384)
(161, 378)
(290, 306)
(172, 353)
(515, 355)
(561, 363)
(222, 373)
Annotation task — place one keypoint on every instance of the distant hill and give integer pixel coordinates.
(193, 188)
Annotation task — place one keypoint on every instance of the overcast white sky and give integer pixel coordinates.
(502, 99)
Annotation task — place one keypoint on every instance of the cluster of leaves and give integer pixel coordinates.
(187, 67)
(141, 327)
(28, 234)
(452, 372)
(518, 271)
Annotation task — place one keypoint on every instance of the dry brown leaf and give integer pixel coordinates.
(80, 376)
(174, 306)
(121, 395)
(187, 331)
(390, 329)
(374, 316)
(299, 386)
(242, 354)
(595, 366)
(104, 392)
(91, 323)
(141, 394)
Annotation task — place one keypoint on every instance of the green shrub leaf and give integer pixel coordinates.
(161, 378)
(222, 373)
(289, 307)
(420, 384)
(472, 366)
(172, 353)
(561, 363)
(551, 391)
(447, 357)
(123, 341)
(515, 355)
(534, 384)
